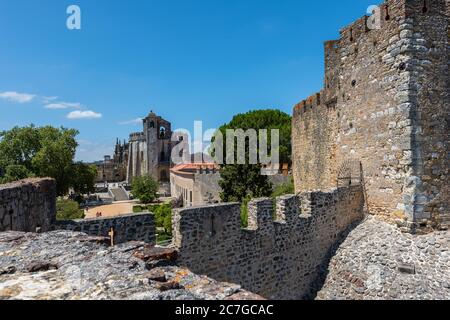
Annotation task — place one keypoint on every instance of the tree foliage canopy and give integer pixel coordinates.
(239, 181)
(85, 174)
(144, 188)
(43, 152)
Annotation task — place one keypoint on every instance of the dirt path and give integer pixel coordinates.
(111, 210)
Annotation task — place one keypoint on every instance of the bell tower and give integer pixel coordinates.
(158, 133)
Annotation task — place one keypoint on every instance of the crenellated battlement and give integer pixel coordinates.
(309, 103)
(353, 32)
(387, 18)
(137, 136)
(385, 87)
(291, 238)
(260, 215)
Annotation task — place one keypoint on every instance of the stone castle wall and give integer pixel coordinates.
(282, 253)
(277, 259)
(132, 227)
(430, 98)
(385, 105)
(28, 205)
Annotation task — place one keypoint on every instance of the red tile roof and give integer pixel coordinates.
(192, 167)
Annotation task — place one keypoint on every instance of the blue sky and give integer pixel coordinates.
(185, 59)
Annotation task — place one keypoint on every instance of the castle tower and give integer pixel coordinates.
(150, 150)
(382, 118)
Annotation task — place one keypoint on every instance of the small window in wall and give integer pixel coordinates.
(152, 124)
(190, 196)
(163, 175)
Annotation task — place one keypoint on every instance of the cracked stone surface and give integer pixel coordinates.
(70, 265)
(377, 261)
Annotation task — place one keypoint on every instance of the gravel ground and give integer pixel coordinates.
(69, 265)
(377, 261)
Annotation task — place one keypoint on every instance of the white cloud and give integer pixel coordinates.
(63, 105)
(17, 97)
(88, 114)
(49, 99)
(134, 121)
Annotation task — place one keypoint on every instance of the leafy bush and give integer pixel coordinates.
(144, 188)
(68, 210)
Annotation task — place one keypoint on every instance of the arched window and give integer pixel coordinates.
(162, 132)
(152, 124)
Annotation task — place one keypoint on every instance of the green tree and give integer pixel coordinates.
(239, 181)
(43, 151)
(83, 178)
(18, 146)
(55, 157)
(68, 210)
(14, 173)
(144, 188)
